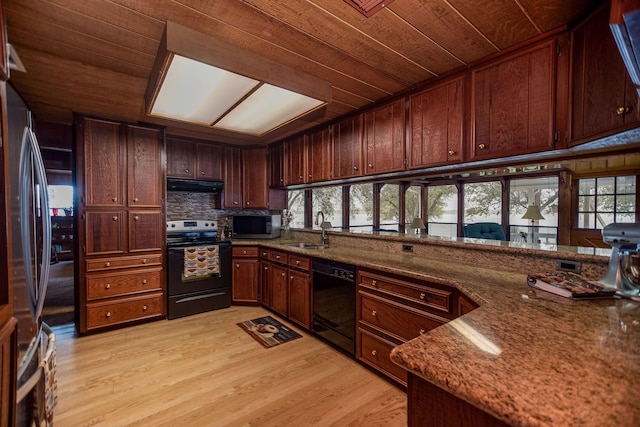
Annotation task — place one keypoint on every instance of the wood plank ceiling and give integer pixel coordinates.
(95, 56)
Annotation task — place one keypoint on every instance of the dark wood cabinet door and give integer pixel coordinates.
(347, 148)
(436, 119)
(208, 162)
(145, 177)
(319, 156)
(264, 291)
(181, 158)
(603, 98)
(146, 231)
(8, 371)
(278, 289)
(232, 178)
(299, 298)
(104, 232)
(255, 193)
(245, 280)
(513, 104)
(384, 135)
(276, 164)
(104, 155)
(296, 166)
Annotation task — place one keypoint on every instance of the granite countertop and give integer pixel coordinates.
(525, 356)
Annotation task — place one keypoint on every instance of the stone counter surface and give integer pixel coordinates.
(525, 356)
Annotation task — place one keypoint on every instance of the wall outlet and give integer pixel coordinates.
(566, 265)
(407, 248)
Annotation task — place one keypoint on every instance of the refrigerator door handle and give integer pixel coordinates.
(33, 182)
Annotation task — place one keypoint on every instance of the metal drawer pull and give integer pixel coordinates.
(451, 152)
(186, 170)
(115, 218)
(291, 277)
(374, 313)
(621, 110)
(144, 281)
(135, 199)
(144, 307)
(135, 218)
(297, 262)
(107, 264)
(282, 274)
(422, 295)
(374, 352)
(108, 314)
(266, 268)
(422, 331)
(107, 286)
(144, 260)
(481, 146)
(374, 283)
(237, 265)
(201, 172)
(277, 256)
(244, 252)
(114, 199)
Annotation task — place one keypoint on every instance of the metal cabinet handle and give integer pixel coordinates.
(374, 313)
(290, 277)
(300, 177)
(481, 146)
(297, 262)
(135, 199)
(310, 176)
(622, 110)
(107, 286)
(370, 165)
(144, 260)
(108, 314)
(266, 268)
(144, 307)
(135, 218)
(244, 252)
(107, 264)
(422, 331)
(237, 265)
(422, 295)
(144, 281)
(247, 203)
(451, 152)
(355, 168)
(114, 199)
(186, 170)
(282, 274)
(264, 254)
(374, 352)
(201, 172)
(374, 283)
(235, 202)
(277, 256)
(115, 218)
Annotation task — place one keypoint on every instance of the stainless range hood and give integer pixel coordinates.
(194, 186)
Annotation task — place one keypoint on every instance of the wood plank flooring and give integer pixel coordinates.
(204, 370)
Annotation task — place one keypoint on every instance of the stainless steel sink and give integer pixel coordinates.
(303, 245)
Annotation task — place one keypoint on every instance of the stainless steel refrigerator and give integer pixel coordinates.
(31, 248)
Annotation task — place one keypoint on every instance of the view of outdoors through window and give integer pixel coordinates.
(390, 207)
(329, 201)
(296, 208)
(442, 210)
(542, 192)
(361, 206)
(412, 202)
(602, 201)
(483, 202)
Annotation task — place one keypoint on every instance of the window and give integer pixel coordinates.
(295, 204)
(390, 207)
(412, 204)
(542, 192)
(329, 201)
(483, 202)
(60, 199)
(602, 201)
(361, 207)
(442, 210)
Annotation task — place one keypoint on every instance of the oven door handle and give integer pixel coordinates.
(197, 297)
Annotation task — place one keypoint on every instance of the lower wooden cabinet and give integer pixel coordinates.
(392, 309)
(245, 274)
(121, 290)
(279, 289)
(8, 371)
(300, 295)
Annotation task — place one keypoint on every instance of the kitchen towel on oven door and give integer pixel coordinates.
(201, 261)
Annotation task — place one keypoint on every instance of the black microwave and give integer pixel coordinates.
(256, 226)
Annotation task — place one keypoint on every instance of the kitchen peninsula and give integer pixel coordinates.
(523, 357)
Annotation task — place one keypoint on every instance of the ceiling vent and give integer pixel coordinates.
(368, 7)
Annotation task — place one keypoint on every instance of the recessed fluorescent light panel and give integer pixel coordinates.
(199, 93)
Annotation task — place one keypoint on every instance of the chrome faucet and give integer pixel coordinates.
(324, 239)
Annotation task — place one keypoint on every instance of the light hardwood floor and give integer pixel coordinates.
(203, 370)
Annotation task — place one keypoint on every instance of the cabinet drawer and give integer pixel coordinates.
(122, 283)
(277, 256)
(104, 264)
(244, 251)
(376, 351)
(125, 310)
(399, 321)
(299, 262)
(438, 299)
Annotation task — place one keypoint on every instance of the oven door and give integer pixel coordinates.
(192, 295)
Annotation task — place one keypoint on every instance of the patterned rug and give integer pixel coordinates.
(268, 331)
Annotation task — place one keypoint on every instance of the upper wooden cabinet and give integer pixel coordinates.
(384, 136)
(276, 164)
(319, 156)
(295, 154)
(603, 98)
(193, 160)
(104, 159)
(144, 170)
(347, 148)
(513, 103)
(436, 120)
(254, 178)
(232, 178)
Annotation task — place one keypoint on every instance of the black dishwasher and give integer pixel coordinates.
(334, 303)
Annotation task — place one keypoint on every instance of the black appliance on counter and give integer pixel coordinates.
(334, 303)
(256, 226)
(198, 268)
